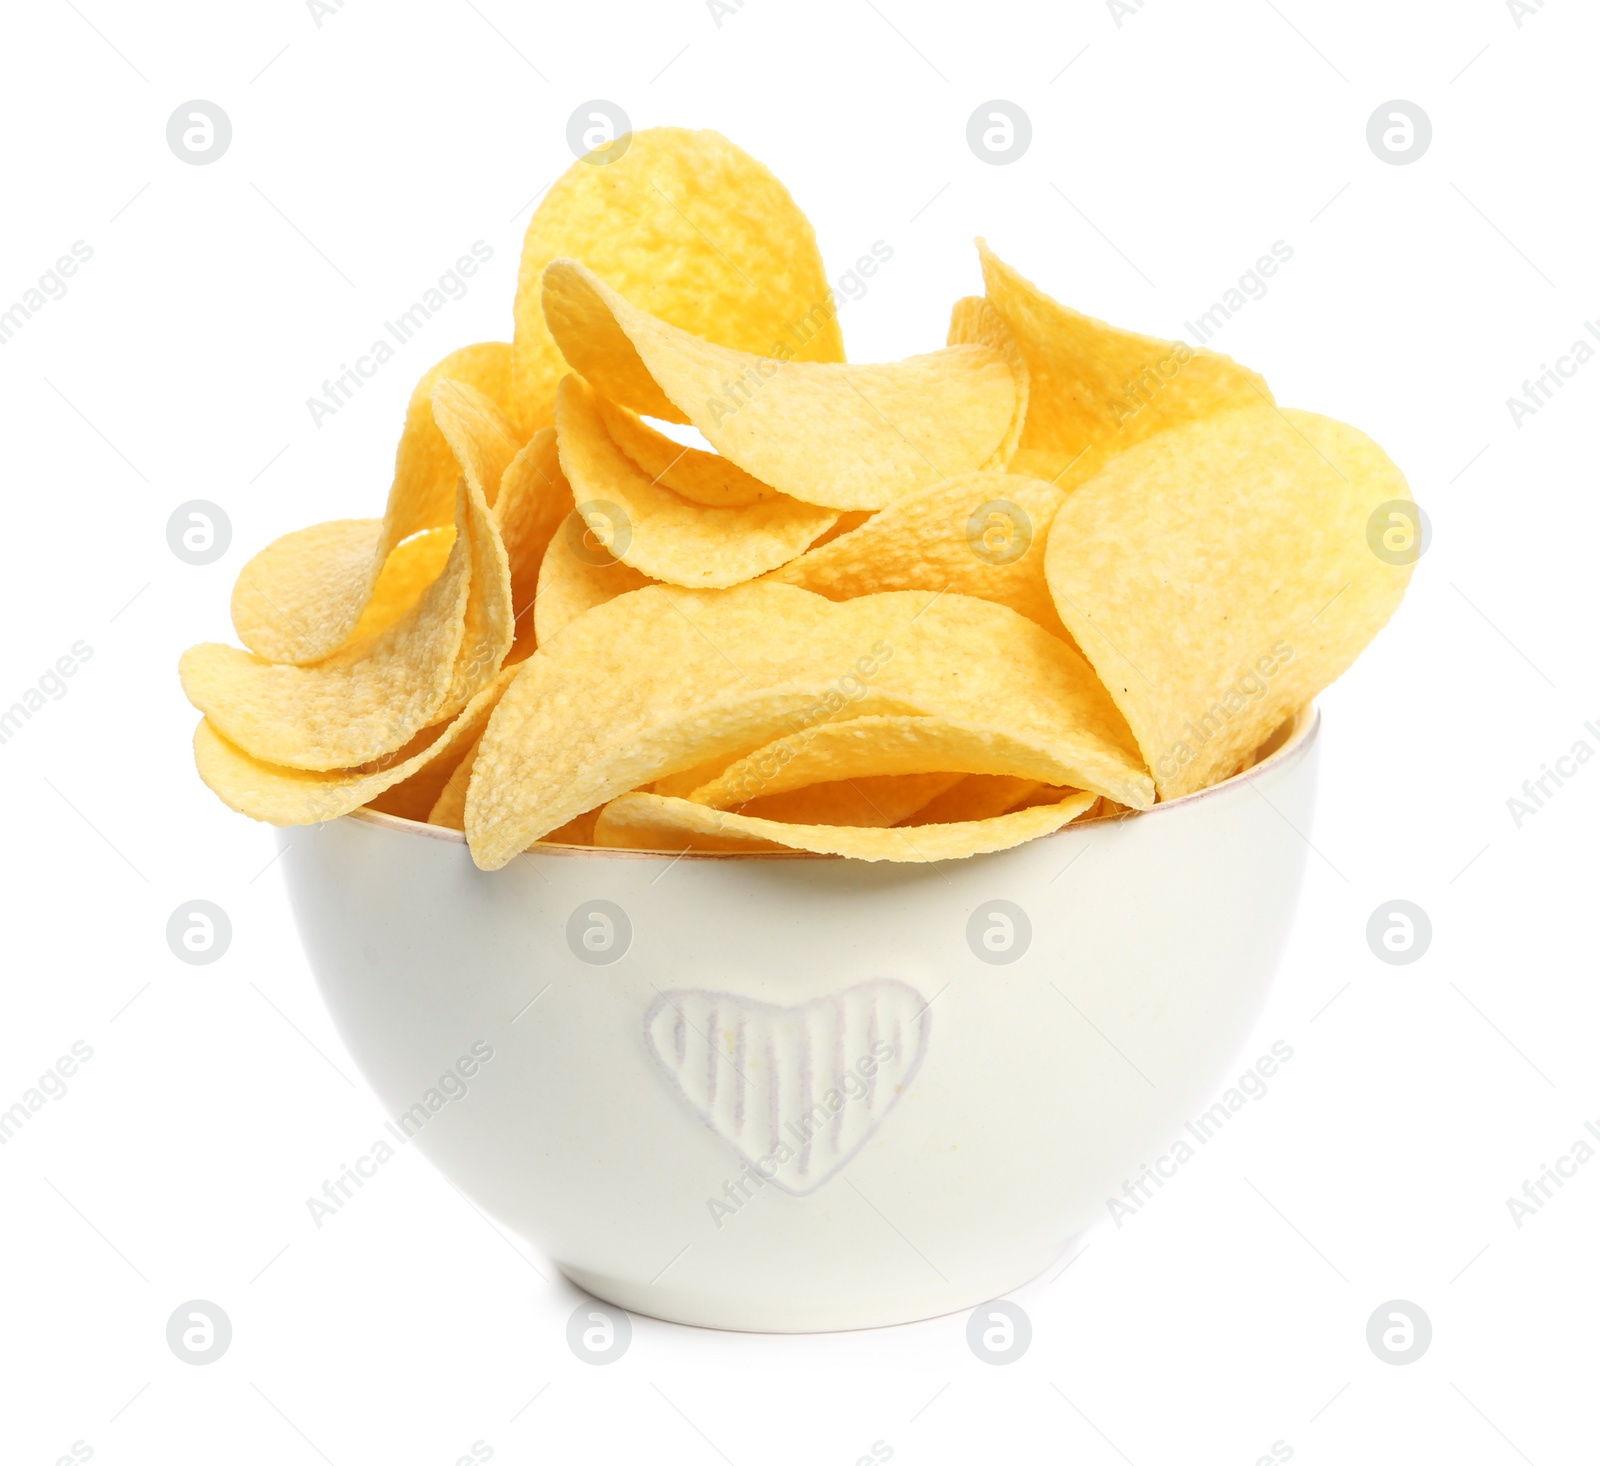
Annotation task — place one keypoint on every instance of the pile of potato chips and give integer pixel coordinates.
(909, 611)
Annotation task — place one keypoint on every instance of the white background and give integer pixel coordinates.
(1168, 153)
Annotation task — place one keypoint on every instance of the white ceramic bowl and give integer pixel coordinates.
(789, 1093)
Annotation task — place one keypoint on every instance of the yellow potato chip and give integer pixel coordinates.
(974, 322)
(1220, 575)
(283, 796)
(1095, 390)
(485, 444)
(706, 478)
(978, 797)
(663, 679)
(661, 534)
(843, 436)
(408, 572)
(878, 745)
(871, 802)
(981, 534)
(578, 573)
(653, 822)
(695, 230)
(302, 598)
(534, 502)
(365, 701)
(372, 697)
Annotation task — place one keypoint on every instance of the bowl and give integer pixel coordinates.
(783, 1092)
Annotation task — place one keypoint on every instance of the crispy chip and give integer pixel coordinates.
(706, 478)
(974, 322)
(661, 534)
(408, 572)
(654, 822)
(578, 574)
(283, 796)
(1219, 576)
(485, 443)
(848, 437)
(1095, 390)
(534, 502)
(372, 697)
(695, 230)
(873, 802)
(981, 534)
(873, 746)
(662, 679)
(450, 809)
(302, 598)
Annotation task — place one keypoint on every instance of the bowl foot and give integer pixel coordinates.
(778, 1312)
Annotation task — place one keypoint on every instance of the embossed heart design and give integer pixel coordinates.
(795, 1091)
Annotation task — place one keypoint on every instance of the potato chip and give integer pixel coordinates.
(578, 574)
(843, 436)
(661, 534)
(302, 597)
(283, 796)
(981, 534)
(534, 502)
(411, 568)
(1095, 390)
(871, 802)
(450, 809)
(695, 230)
(874, 746)
(974, 322)
(372, 697)
(706, 478)
(979, 797)
(662, 679)
(1219, 576)
(485, 444)
(653, 822)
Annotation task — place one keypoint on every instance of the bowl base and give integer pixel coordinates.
(796, 1315)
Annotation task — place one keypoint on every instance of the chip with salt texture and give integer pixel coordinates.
(1095, 390)
(706, 478)
(364, 702)
(697, 232)
(842, 436)
(1219, 576)
(372, 697)
(663, 679)
(302, 598)
(982, 534)
(660, 533)
(655, 822)
(283, 796)
(578, 574)
(450, 809)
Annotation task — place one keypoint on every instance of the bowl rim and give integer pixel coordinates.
(1304, 725)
